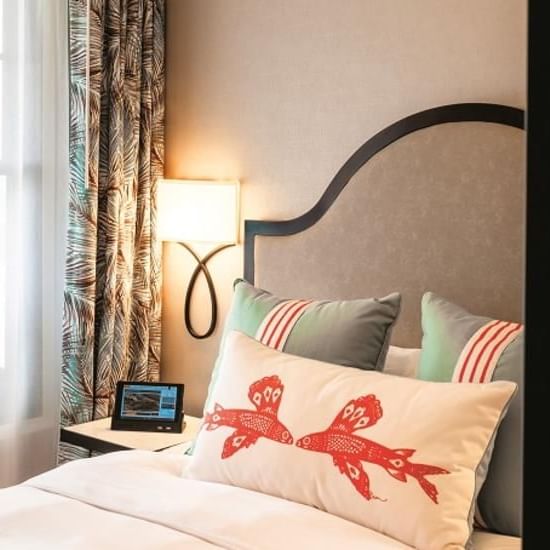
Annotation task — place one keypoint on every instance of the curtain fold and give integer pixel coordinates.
(33, 199)
(112, 296)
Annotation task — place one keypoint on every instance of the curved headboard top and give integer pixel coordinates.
(433, 202)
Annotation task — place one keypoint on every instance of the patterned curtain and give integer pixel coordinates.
(113, 271)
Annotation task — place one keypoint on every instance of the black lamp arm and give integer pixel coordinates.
(202, 267)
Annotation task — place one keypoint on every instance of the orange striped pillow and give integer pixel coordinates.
(352, 333)
(460, 347)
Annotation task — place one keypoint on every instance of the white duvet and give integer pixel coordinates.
(138, 500)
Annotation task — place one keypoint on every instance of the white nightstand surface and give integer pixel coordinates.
(148, 441)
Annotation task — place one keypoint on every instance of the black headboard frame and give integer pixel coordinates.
(459, 112)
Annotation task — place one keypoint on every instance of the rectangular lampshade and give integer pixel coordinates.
(201, 211)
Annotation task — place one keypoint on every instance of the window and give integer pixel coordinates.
(22, 194)
(33, 186)
(3, 232)
(3, 225)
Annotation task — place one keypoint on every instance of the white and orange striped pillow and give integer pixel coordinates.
(458, 346)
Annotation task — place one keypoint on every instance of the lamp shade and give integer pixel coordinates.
(201, 211)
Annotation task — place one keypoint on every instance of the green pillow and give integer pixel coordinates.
(353, 333)
(460, 347)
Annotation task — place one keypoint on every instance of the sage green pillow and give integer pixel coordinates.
(353, 333)
(461, 347)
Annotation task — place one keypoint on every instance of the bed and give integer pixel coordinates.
(386, 205)
(136, 499)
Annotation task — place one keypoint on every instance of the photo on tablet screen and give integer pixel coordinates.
(149, 402)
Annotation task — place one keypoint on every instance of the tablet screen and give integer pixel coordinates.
(148, 402)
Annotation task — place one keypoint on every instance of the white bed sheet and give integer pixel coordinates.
(138, 500)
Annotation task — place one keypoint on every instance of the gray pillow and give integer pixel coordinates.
(353, 333)
(461, 347)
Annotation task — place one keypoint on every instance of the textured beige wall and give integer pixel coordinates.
(280, 93)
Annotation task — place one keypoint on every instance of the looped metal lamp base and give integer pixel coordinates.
(202, 268)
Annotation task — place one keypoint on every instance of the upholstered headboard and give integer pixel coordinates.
(433, 202)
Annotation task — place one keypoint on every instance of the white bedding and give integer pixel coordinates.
(137, 499)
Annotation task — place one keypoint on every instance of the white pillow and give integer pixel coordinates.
(402, 361)
(395, 454)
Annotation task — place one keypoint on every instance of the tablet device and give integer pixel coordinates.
(148, 406)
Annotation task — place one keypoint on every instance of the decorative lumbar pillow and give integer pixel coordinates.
(354, 333)
(460, 347)
(395, 454)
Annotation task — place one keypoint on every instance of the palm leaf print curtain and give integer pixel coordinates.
(112, 286)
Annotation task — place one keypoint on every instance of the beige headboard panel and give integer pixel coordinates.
(438, 209)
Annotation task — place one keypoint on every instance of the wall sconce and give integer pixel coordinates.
(203, 212)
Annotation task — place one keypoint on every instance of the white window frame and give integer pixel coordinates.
(11, 46)
(3, 191)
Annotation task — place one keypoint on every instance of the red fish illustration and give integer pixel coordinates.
(348, 451)
(250, 425)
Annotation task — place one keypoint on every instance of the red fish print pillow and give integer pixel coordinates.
(398, 455)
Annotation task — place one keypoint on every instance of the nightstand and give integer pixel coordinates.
(98, 436)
